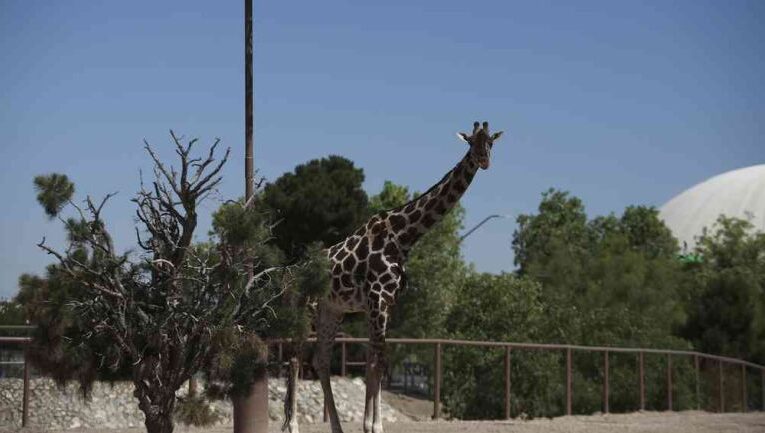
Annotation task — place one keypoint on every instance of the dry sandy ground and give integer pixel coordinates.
(646, 422)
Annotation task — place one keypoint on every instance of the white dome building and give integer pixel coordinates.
(738, 193)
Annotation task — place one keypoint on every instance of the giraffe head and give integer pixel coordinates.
(480, 142)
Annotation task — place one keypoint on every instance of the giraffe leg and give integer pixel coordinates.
(327, 322)
(369, 401)
(290, 403)
(376, 363)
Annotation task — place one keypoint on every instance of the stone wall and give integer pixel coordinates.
(113, 405)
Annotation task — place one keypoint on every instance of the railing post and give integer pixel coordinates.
(25, 395)
(722, 388)
(568, 381)
(762, 387)
(437, 383)
(507, 382)
(641, 373)
(669, 382)
(743, 389)
(696, 368)
(343, 355)
(281, 359)
(605, 382)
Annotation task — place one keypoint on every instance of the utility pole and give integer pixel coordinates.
(250, 411)
(248, 123)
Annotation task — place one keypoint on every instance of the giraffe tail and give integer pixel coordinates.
(290, 397)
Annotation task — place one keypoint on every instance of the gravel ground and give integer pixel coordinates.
(646, 422)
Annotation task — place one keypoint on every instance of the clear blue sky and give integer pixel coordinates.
(619, 102)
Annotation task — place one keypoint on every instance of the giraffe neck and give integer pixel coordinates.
(411, 221)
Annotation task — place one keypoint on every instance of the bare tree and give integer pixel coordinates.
(173, 307)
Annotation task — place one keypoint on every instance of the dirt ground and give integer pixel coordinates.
(645, 422)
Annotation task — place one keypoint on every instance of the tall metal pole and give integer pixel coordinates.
(250, 411)
(248, 122)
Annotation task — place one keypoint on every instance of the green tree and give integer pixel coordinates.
(607, 281)
(171, 310)
(620, 271)
(320, 201)
(499, 308)
(727, 302)
(46, 303)
(11, 313)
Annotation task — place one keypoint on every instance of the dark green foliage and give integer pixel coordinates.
(249, 230)
(727, 301)
(312, 277)
(54, 349)
(647, 233)
(560, 227)
(309, 282)
(196, 411)
(239, 360)
(321, 201)
(612, 281)
(11, 313)
(499, 308)
(53, 192)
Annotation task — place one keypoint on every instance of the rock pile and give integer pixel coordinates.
(113, 405)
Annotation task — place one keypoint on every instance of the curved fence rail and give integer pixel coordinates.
(508, 348)
(568, 349)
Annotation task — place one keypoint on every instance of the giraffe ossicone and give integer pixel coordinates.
(367, 271)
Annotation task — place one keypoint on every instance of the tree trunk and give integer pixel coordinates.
(160, 423)
(193, 386)
(157, 405)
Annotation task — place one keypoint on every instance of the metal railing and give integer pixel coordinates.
(25, 389)
(508, 347)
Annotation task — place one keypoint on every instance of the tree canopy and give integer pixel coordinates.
(726, 309)
(320, 201)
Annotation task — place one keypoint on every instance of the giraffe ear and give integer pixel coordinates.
(463, 137)
(496, 135)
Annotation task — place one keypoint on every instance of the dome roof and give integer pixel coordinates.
(738, 193)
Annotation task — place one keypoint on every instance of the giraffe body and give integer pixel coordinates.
(367, 272)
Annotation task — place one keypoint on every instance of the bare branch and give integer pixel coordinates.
(161, 167)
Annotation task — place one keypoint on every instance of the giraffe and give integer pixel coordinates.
(367, 271)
